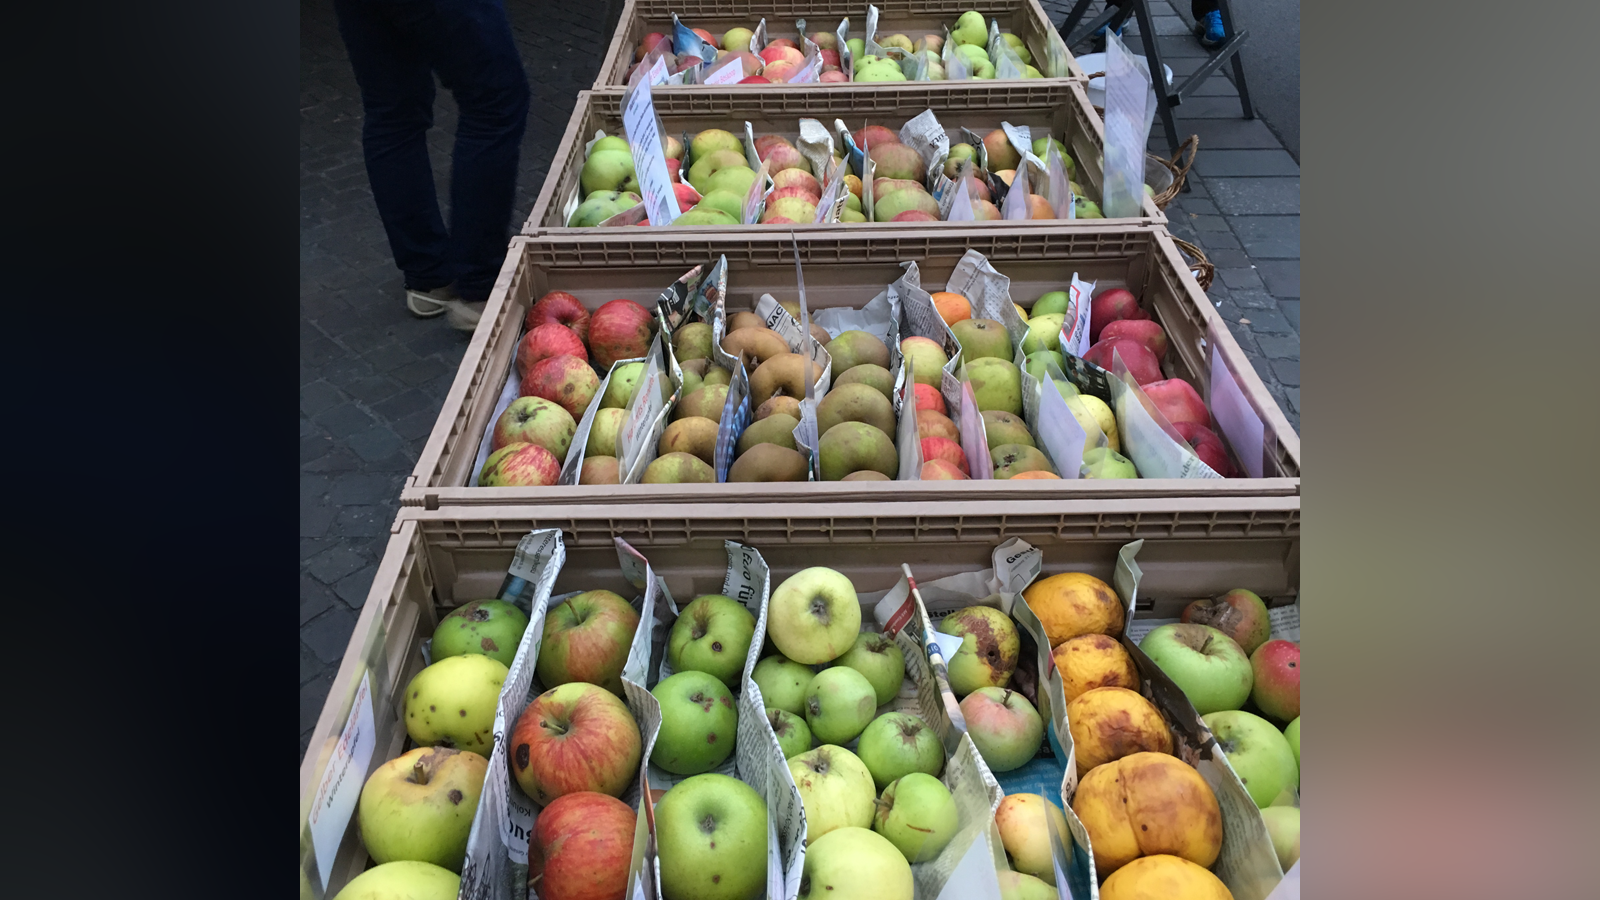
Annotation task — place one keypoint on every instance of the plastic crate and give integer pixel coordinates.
(1059, 107)
(844, 272)
(437, 560)
(1024, 18)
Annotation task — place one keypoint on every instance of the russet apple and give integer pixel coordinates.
(712, 635)
(853, 446)
(874, 376)
(678, 468)
(1275, 669)
(1146, 804)
(1239, 614)
(1205, 663)
(917, 815)
(836, 790)
(698, 723)
(1258, 753)
(1004, 725)
(419, 806)
(794, 735)
(711, 835)
(839, 704)
(1163, 875)
(452, 703)
(897, 744)
(1111, 722)
(1023, 821)
(996, 384)
(990, 645)
(980, 338)
(575, 737)
(404, 878)
(1011, 460)
(856, 403)
(1001, 427)
(1001, 154)
(1091, 661)
(857, 348)
(586, 638)
(581, 848)
(567, 381)
(491, 628)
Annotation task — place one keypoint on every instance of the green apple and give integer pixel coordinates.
(918, 816)
(606, 170)
(705, 215)
(452, 703)
(711, 834)
(928, 360)
(1004, 726)
(712, 635)
(1205, 663)
(984, 69)
(896, 744)
(794, 737)
(814, 616)
(736, 180)
(1053, 302)
(1104, 462)
(990, 645)
(839, 703)
(857, 46)
(981, 338)
(996, 384)
(610, 142)
(835, 790)
(705, 166)
(1084, 208)
(1039, 359)
(881, 70)
(782, 682)
(1001, 428)
(1258, 752)
(603, 431)
(1283, 826)
(492, 628)
(971, 29)
(711, 140)
(1044, 332)
(736, 40)
(880, 660)
(1022, 886)
(420, 806)
(620, 389)
(1041, 146)
(600, 206)
(959, 153)
(1030, 72)
(855, 864)
(1292, 735)
(403, 880)
(698, 723)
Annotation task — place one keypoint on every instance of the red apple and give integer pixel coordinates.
(1239, 614)
(829, 57)
(1178, 401)
(1140, 361)
(1146, 331)
(561, 308)
(708, 37)
(782, 156)
(1276, 665)
(586, 638)
(752, 79)
(649, 43)
(784, 42)
(688, 62)
(928, 397)
(936, 424)
(787, 178)
(567, 381)
(545, 341)
(620, 329)
(774, 53)
(947, 450)
(1004, 725)
(687, 196)
(914, 215)
(977, 189)
(520, 465)
(778, 220)
(942, 470)
(581, 848)
(673, 165)
(1209, 447)
(833, 77)
(780, 72)
(534, 420)
(800, 191)
(575, 737)
(751, 62)
(1110, 305)
(873, 135)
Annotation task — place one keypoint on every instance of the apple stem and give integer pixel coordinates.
(419, 773)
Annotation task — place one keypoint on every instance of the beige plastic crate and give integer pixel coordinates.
(845, 272)
(1060, 108)
(437, 560)
(1024, 18)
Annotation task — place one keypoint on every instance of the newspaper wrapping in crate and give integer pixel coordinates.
(1043, 774)
(1247, 863)
(496, 866)
(757, 759)
(919, 318)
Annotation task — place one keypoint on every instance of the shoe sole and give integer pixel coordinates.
(422, 307)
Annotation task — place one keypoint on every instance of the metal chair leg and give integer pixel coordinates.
(1238, 64)
(1152, 55)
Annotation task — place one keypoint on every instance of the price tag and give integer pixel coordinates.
(642, 126)
(343, 780)
(730, 72)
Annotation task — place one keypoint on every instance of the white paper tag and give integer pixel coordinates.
(649, 161)
(343, 780)
(1075, 330)
(730, 72)
(1059, 430)
(1235, 417)
(1127, 94)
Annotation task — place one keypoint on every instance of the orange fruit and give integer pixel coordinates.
(1035, 475)
(1006, 175)
(952, 307)
(1040, 208)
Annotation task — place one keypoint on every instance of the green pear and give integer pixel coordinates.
(1031, 72)
(1053, 302)
(881, 70)
(727, 201)
(1044, 332)
(1087, 209)
(606, 170)
(858, 47)
(973, 54)
(983, 70)
(1041, 147)
(970, 29)
(1016, 44)
(1104, 462)
(610, 142)
(852, 215)
(713, 162)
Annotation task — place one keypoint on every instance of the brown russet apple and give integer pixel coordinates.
(866, 475)
(785, 374)
(856, 348)
(769, 462)
(754, 345)
(869, 374)
(1011, 459)
(852, 446)
(744, 318)
(855, 403)
(1001, 427)
(707, 402)
(678, 468)
(777, 428)
(789, 406)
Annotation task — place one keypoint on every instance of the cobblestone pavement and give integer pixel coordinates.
(372, 378)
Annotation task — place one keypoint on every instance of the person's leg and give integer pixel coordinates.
(387, 46)
(480, 64)
(1207, 21)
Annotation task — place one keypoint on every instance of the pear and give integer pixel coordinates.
(970, 29)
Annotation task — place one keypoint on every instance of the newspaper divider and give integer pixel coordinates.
(1043, 774)
(496, 866)
(846, 58)
(816, 145)
(639, 439)
(757, 759)
(860, 163)
(1247, 864)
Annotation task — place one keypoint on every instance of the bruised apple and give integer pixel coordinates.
(1074, 603)
(1111, 722)
(1146, 804)
(1091, 661)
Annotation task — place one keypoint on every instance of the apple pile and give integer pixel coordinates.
(415, 811)
(556, 359)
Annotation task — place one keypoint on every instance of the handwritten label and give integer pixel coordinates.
(1075, 330)
(343, 780)
(730, 72)
(649, 161)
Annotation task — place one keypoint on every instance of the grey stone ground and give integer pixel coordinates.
(372, 378)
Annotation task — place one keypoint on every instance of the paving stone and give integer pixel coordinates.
(313, 694)
(1268, 321)
(372, 390)
(353, 588)
(1237, 278)
(1226, 257)
(1279, 346)
(375, 443)
(366, 521)
(1246, 164)
(315, 599)
(313, 487)
(1288, 371)
(357, 489)
(328, 634)
(1282, 277)
(1210, 223)
(421, 371)
(333, 459)
(310, 666)
(1257, 196)
(1228, 134)
(319, 397)
(1291, 311)
(344, 420)
(1294, 403)
(316, 520)
(1218, 240)
(406, 403)
(416, 426)
(1195, 206)
(1210, 108)
(1249, 298)
(1268, 237)
(335, 563)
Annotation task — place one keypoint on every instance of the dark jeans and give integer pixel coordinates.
(396, 47)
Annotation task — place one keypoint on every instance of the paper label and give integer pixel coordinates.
(1060, 431)
(832, 202)
(1075, 326)
(755, 202)
(1128, 90)
(1241, 427)
(1015, 206)
(729, 71)
(907, 442)
(343, 779)
(648, 403)
(816, 145)
(870, 40)
(642, 126)
(810, 70)
(924, 134)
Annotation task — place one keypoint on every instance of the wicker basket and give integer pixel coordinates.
(1199, 265)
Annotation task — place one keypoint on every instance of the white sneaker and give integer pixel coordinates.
(428, 304)
(464, 316)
